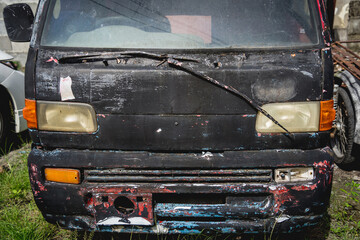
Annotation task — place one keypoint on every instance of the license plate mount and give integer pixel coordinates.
(123, 209)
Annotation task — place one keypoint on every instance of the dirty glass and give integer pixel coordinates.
(185, 24)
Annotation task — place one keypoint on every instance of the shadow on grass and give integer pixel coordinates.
(355, 165)
(14, 142)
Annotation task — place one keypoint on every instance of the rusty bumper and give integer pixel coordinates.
(230, 192)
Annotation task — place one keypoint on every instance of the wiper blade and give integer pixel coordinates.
(104, 57)
(178, 65)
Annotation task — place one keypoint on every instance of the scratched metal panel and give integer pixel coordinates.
(173, 92)
(237, 211)
(140, 87)
(140, 160)
(63, 199)
(141, 106)
(179, 133)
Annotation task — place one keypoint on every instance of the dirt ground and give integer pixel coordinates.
(341, 175)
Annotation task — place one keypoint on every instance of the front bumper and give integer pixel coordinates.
(230, 192)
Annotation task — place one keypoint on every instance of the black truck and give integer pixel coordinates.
(178, 116)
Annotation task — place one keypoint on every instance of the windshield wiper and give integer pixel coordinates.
(172, 61)
(105, 57)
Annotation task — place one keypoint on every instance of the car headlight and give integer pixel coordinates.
(297, 117)
(60, 116)
(67, 117)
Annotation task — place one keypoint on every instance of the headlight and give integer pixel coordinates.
(65, 117)
(295, 117)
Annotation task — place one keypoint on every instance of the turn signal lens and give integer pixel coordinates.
(327, 115)
(29, 113)
(62, 175)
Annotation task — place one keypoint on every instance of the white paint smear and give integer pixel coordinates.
(65, 89)
(120, 221)
(282, 219)
(207, 154)
(182, 208)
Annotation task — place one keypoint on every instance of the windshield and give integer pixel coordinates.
(186, 24)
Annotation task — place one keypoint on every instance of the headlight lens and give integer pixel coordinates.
(295, 117)
(68, 117)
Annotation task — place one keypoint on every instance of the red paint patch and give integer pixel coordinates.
(304, 187)
(282, 195)
(52, 59)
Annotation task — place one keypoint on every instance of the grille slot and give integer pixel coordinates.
(185, 176)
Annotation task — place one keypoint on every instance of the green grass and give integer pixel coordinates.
(21, 219)
(19, 215)
(344, 211)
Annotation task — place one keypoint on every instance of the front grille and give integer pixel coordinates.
(184, 176)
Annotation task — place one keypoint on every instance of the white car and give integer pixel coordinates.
(12, 99)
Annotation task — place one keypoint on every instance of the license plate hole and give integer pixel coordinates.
(124, 205)
(104, 198)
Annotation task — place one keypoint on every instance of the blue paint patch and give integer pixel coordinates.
(227, 230)
(249, 115)
(314, 135)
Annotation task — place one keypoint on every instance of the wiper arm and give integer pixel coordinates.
(105, 57)
(178, 65)
(174, 62)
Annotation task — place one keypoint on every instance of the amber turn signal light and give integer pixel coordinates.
(62, 175)
(327, 115)
(29, 113)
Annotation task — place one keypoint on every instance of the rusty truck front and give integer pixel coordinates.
(178, 116)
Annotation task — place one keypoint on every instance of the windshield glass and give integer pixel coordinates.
(186, 24)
